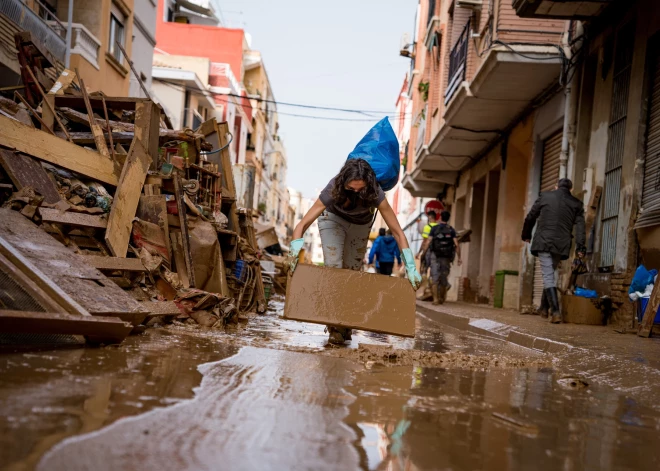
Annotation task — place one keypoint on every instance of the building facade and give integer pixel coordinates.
(98, 25)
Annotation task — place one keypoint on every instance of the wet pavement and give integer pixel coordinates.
(273, 395)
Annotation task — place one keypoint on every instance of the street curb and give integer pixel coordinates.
(494, 329)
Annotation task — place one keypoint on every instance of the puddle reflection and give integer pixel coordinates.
(434, 418)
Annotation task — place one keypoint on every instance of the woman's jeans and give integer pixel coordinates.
(344, 244)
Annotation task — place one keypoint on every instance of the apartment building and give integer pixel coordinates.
(98, 25)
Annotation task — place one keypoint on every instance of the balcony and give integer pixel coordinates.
(458, 63)
(559, 9)
(493, 79)
(48, 39)
(83, 42)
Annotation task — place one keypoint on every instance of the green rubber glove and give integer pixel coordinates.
(294, 251)
(411, 270)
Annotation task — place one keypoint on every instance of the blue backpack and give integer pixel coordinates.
(380, 148)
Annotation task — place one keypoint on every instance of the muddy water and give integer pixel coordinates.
(273, 395)
(49, 394)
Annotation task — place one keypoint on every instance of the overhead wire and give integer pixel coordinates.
(392, 117)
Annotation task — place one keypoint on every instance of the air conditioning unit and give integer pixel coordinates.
(471, 4)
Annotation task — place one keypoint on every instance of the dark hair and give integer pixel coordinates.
(356, 169)
(565, 183)
(381, 231)
(445, 215)
(432, 214)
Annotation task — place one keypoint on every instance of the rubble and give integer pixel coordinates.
(129, 222)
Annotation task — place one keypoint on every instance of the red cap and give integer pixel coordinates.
(434, 206)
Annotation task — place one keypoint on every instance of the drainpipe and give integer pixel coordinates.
(563, 157)
(69, 21)
(567, 156)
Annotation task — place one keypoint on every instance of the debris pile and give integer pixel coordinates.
(111, 220)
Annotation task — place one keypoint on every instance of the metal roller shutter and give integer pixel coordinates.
(651, 188)
(549, 178)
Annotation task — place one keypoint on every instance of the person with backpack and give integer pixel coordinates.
(443, 247)
(385, 249)
(345, 211)
(557, 212)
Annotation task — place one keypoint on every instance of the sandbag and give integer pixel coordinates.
(380, 148)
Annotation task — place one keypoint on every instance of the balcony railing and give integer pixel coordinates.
(458, 63)
(42, 33)
(83, 42)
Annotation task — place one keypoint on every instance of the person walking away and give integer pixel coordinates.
(557, 212)
(345, 212)
(442, 247)
(385, 249)
(381, 234)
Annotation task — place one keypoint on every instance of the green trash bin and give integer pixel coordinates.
(500, 279)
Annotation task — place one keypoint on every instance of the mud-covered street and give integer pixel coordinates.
(273, 395)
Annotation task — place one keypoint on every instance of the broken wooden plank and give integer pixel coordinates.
(386, 304)
(48, 104)
(160, 308)
(154, 209)
(137, 76)
(73, 219)
(62, 83)
(40, 144)
(82, 282)
(86, 138)
(62, 298)
(44, 126)
(179, 259)
(24, 171)
(167, 134)
(77, 102)
(147, 127)
(114, 263)
(183, 222)
(97, 132)
(646, 326)
(126, 199)
(99, 329)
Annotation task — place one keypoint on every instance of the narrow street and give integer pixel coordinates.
(273, 395)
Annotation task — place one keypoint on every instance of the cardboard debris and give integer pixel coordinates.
(354, 299)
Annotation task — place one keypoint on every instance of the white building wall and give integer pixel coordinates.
(144, 41)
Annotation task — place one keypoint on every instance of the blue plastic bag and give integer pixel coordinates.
(380, 148)
(585, 293)
(642, 279)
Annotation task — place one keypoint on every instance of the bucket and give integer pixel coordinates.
(240, 270)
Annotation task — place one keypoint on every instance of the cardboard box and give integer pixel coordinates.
(579, 310)
(348, 298)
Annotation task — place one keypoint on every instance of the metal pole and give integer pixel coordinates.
(69, 26)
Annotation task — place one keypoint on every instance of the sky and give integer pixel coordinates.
(337, 53)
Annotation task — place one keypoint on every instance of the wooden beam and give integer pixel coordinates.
(72, 219)
(137, 76)
(114, 263)
(84, 138)
(62, 83)
(40, 144)
(98, 328)
(77, 102)
(44, 126)
(126, 199)
(42, 281)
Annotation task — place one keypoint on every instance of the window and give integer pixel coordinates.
(117, 33)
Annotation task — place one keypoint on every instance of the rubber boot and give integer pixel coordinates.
(543, 310)
(442, 294)
(553, 301)
(436, 298)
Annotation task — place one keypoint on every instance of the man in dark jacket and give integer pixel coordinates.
(557, 212)
(386, 250)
